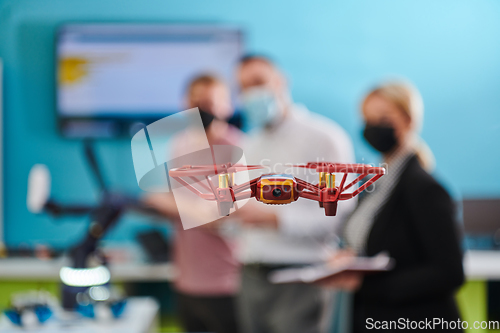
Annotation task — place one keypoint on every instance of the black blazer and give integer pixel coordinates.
(418, 228)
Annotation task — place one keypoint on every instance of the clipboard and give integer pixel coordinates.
(309, 274)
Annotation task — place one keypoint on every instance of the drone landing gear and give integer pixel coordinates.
(224, 207)
(330, 208)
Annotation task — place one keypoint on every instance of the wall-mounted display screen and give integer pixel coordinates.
(112, 77)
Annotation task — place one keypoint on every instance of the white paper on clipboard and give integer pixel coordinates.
(309, 274)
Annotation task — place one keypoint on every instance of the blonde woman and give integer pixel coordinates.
(410, 216)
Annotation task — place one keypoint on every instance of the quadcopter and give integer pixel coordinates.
(275, 189)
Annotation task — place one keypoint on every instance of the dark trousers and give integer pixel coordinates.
(208, 313)
(265, 307)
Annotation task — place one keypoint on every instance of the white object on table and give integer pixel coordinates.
(140, 316)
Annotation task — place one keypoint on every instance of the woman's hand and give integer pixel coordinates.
(349, 281)
(341, 257)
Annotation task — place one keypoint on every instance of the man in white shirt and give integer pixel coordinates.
(276, 237)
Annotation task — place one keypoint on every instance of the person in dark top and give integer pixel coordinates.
(410, 216)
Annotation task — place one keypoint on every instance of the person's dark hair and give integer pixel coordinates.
(250, 57)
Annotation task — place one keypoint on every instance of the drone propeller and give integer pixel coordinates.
(341, 167)
(240, 167)
(310, 165)
(211, 170)
(315, 165)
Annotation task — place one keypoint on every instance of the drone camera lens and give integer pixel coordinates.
(277, 192)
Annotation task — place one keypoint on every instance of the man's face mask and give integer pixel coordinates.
(380, 137)
(260, 107)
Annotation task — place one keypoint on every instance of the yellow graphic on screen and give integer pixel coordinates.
(73, 70)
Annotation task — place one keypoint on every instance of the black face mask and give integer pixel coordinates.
(206, 118)
(380, 137)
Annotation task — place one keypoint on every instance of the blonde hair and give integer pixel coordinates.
(204, 80)
(408, 99)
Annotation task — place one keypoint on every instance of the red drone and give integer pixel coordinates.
(275, 189)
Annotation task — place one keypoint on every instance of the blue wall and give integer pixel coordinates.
(332, 52)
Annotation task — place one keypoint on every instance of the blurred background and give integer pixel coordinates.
(332, 52)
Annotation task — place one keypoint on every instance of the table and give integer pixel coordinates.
(478, 265)
(29, 269)
(482, 265)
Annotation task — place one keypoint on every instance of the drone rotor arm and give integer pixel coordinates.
(243, 195)
(350, 168)
(341, 188)
(355, 181)
(211, 186)
(241, 167)
(307, 185)
(200, 182)
(245, 186)
(309, 195)
(206, 196)
(346, 196)
(188, 174)
(242, 187)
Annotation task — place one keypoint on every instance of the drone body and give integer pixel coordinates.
(276, 189)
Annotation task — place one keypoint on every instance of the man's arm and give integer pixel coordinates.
(164, 203)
